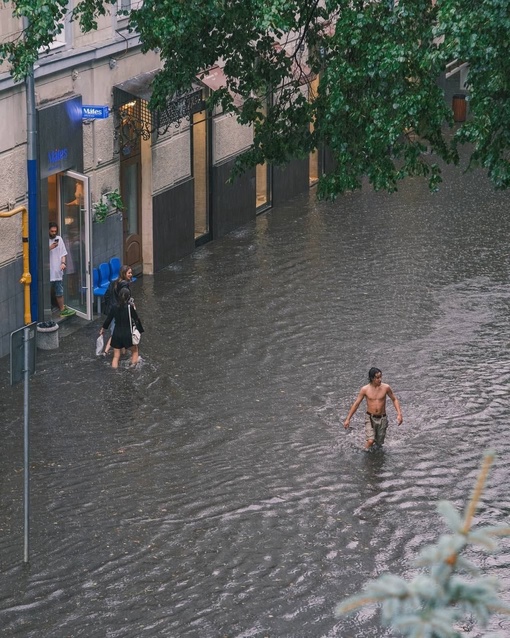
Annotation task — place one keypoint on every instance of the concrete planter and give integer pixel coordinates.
(47, 335)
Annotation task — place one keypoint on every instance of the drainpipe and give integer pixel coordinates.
(26, 278)
(33, 224)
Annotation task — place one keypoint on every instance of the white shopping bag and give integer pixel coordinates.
(99, 345)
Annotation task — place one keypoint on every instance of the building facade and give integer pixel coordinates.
(96, 136)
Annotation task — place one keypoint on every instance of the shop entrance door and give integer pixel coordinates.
(200, 167)
(75, 221)
(130, 190)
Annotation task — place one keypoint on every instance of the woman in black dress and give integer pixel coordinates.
(123, 281)
(122, 337)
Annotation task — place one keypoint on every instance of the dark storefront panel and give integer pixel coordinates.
(329, 163)
(173, 221)
(60, 137)
(60, 142)
(233, 205)
(290, 180)
(11, 303)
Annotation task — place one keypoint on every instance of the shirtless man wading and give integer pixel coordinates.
(376, 420)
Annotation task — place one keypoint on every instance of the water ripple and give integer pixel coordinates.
(213, 492)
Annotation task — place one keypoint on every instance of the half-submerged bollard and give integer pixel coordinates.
(47, 335)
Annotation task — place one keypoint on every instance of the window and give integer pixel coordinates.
(124, 6)
(60, 38)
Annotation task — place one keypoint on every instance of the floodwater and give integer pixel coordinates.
(213, 491)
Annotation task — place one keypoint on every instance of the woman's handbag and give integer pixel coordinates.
(99, 345)
(135, 333)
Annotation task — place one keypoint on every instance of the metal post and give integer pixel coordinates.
(32, 186)
(33, 234)
(26, 448)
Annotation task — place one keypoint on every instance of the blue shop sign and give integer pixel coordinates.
(89, 112)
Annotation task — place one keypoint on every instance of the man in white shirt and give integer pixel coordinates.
(58, 263)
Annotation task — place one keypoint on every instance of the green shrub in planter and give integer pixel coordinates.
(108, 202)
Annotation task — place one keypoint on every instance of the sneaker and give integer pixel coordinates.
(67, 312)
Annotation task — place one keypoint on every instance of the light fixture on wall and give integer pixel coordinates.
(112, 63)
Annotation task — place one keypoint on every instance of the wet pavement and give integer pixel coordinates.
(212, 492)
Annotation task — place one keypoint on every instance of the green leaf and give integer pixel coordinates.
(379, 110)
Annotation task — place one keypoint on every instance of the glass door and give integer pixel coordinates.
(263, 187)
(263, 180)
(200, 176)
(314, 159)
(75, 219)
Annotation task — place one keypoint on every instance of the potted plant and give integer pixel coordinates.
(109, 202)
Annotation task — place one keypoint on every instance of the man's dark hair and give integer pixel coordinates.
(372, 372)
(53, 225)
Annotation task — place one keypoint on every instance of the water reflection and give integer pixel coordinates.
(214, 492)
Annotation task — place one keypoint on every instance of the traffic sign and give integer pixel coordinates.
(28, 333)
(93, 112)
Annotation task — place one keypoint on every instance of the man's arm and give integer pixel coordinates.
(354, 407)
(396, 403)
(63, 255)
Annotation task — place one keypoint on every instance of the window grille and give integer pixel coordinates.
(134, 118)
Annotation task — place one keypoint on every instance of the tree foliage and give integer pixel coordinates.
(42, 23)
(434, 603)
(378, 108)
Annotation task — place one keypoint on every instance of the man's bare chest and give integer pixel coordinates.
(376, 394)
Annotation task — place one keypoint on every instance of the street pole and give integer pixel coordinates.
(26, 448)
(33, 225)
(33, 234)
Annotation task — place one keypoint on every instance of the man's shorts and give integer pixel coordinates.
(375, 428)
(58, 286)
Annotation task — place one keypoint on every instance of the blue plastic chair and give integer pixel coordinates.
(104, 275)
(99, 291)
(114, 268)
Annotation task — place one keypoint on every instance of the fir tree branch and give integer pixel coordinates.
(477, 492)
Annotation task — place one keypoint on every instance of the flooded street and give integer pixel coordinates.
(213, 491)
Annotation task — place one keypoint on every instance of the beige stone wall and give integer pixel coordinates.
(10, 28)
(104, 30)
(229, 137)
(99, 144)
(13, 171)
(171, 159)
(13, 193)
(10, 239)
(103, 180)
(13, 127)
